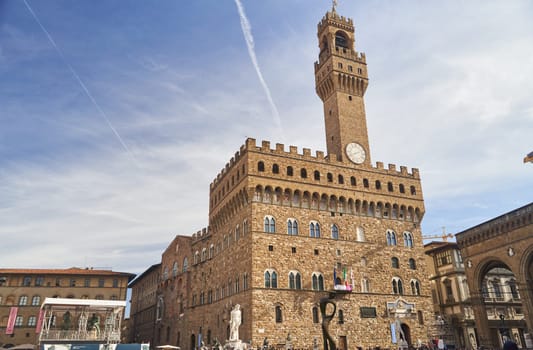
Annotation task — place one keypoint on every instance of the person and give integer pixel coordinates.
(510, 345)
(265, 343)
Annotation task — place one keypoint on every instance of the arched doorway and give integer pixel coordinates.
(406, 332)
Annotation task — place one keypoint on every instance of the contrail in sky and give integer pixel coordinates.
(82, 84)
(247, 31)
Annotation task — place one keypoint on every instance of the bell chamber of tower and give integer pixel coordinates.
(341, 80)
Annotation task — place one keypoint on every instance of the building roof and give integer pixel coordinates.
(93, 303)
(142, 275)
(69, 271)
(436, 246)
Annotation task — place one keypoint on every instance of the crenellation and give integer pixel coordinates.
(392, 167)
(280, 147)
(306, 152)
(403, 170)
(379, 165)
(320, 154)
(293, 150)
(265, 145)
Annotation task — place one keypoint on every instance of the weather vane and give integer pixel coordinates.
(335, 2)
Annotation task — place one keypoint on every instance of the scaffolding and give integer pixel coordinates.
(81, 320)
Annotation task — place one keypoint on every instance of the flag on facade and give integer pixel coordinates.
(11, 321)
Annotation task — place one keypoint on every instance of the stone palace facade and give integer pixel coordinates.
(287, 226)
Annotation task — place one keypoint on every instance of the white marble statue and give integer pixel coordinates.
(234, 323)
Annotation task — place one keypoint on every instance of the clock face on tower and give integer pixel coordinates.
(355, 152)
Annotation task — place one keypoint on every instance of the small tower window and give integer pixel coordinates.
(275, 169)
(341, 40)
(260, 166)
(317, 175)
(289, 171)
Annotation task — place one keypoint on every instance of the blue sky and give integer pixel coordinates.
(110, 138)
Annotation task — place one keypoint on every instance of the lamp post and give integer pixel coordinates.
(502, 329)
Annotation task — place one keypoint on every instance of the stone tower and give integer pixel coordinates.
(341, 80)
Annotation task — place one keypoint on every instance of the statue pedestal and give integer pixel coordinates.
(235, 345)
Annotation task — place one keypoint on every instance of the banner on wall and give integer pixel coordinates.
(39, 322)
(11, 321)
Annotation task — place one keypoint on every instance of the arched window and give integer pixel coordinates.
(352, 181)
(408, 239)
(32, 321)
(292, 227)
(275, 169)
(271, 279)
(23, 300)
(279, 316)
(378, 185)
(341, 180)
(334, 231)
(397, 286)
(365, 285)
(412, 264)
(318, 281)
(303, 173)
(290, 171)
(160, 308)
(391, 237)
(360, 232)
(260, 166)
(211, 251)
(330, 177)
(317, 175)
(395, 263)
(245, 227)
(19, 321)
(341, 40)
(365, 183)
(413, 190)
(185, 265)
(314, 229)
(390, 187)
(196, 259)
(514, 290)
(415, 287)
(270, 224)
(315, 314)
(295, 280)
(175, 269)
(402, 188)
(35, 301)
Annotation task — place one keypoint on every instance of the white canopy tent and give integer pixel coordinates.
(72, 320)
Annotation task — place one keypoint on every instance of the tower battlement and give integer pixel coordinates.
(359, 57)
(200, 235)
(306, 154)
(332, 18)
